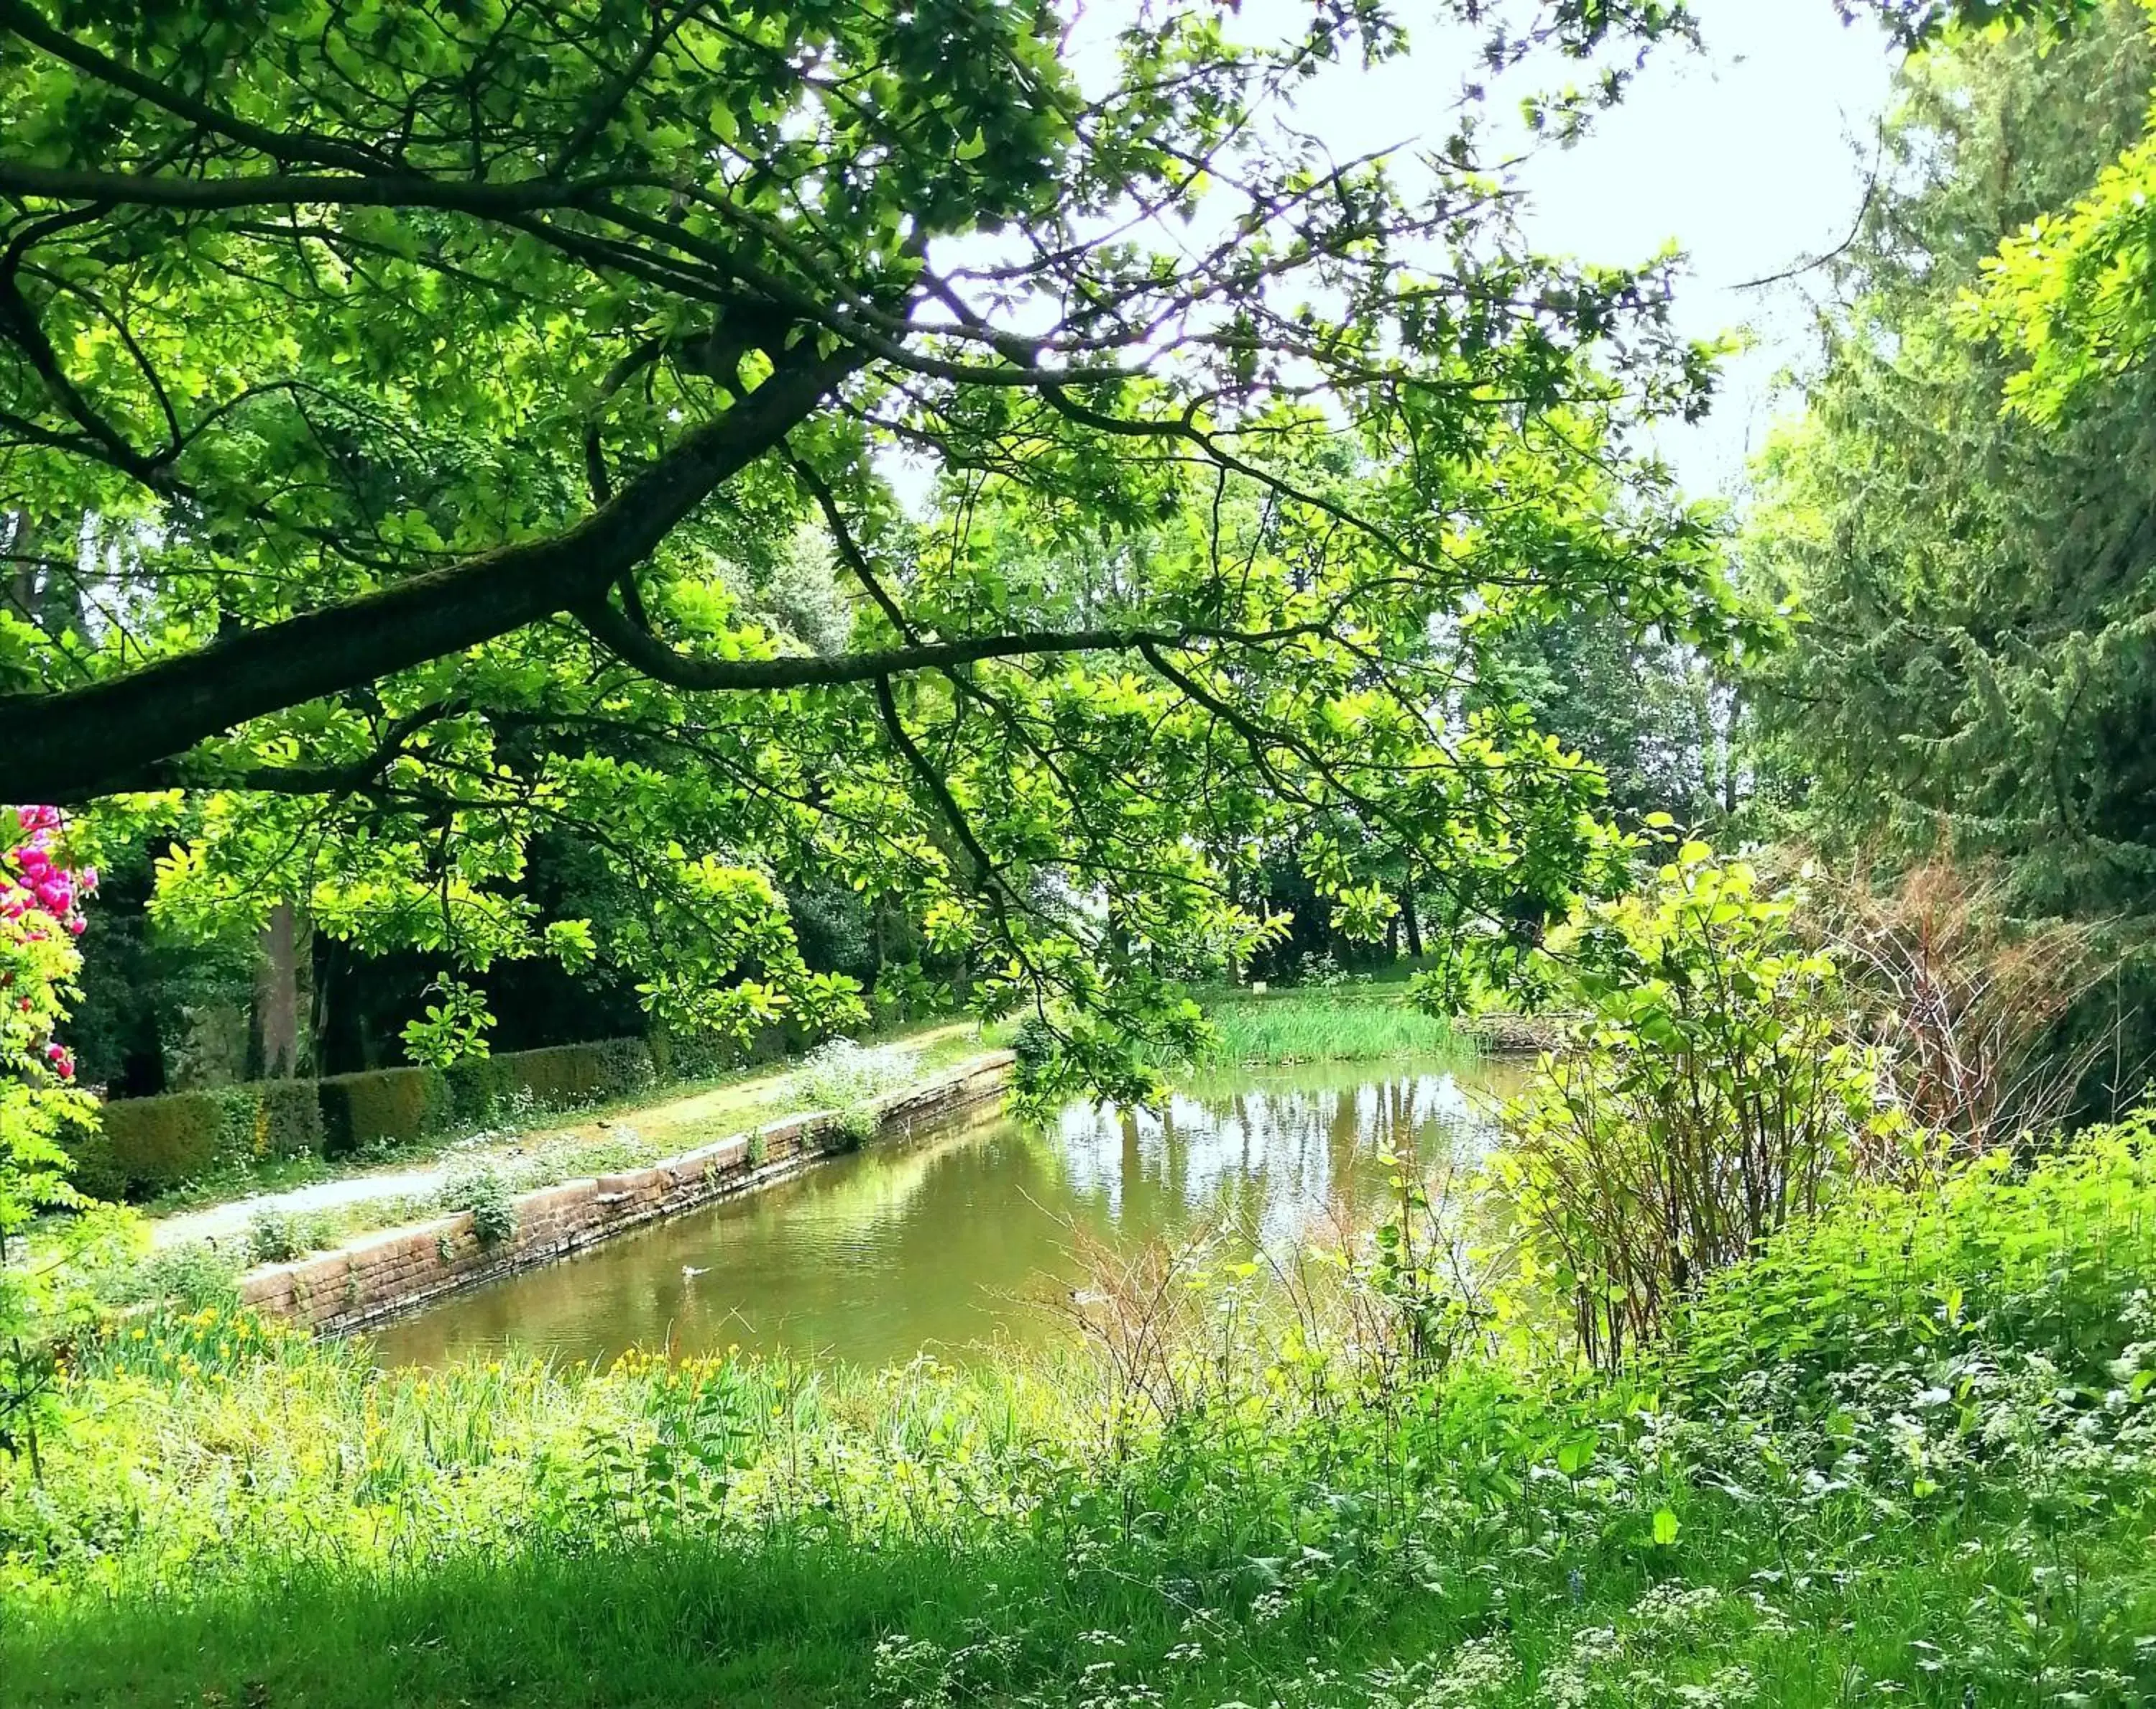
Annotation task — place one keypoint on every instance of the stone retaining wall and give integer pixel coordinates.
(383, 1274)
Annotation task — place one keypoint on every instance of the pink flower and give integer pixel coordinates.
(62, 1064)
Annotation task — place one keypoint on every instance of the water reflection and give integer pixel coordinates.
(942, 1242)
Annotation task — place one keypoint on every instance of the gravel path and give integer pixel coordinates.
(215, 1222)
(218, 1222)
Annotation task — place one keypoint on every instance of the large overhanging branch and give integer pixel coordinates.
(652, 656)
(82, 742)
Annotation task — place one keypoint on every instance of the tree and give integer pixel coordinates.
(430, 390)
(1974, 582)
(2069, 294)
(1657, 720)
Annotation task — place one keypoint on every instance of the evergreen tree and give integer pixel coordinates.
(1972, 586)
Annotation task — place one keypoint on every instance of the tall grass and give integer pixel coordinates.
(1330, 1024)
(1908, 1455)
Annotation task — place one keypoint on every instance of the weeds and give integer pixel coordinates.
(189, 1276)
(276, 1236)
(481, 1191)
(847, 1080)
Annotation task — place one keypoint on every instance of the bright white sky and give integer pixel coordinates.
(1751, 155)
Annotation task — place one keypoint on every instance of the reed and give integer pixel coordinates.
(1329, 1024)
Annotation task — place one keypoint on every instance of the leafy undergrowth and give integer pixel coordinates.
(1908, 1456)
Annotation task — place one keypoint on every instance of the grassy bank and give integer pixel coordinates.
(1909, 1455)
(1342, 1024)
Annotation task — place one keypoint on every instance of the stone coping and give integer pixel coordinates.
(380, 1275)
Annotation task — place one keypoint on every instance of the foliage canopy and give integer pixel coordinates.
(428, 430)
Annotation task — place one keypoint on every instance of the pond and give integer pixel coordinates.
(967, 1235)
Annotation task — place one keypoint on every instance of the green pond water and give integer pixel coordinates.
(965, 1235)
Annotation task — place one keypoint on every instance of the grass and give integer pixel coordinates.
(1339, 1023)
(1907, 1455)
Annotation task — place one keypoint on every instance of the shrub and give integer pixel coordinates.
(1708, 1096)
(1969, 1000)
(287, 1117)
(624, 1067)
(2050, 1260)
(191, 1274)
(563, 1075)
(475, 1088)
(147, 1145)
(852, 1127)
(1033, 1044)
(482, 1192)
(278, 1236)
(841, 1073)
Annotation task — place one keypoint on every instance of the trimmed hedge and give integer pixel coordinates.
(147, 1145)
(360, 1110)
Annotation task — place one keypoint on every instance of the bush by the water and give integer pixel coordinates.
(1710, 1092)
(846, 1079)
(1907, 1454)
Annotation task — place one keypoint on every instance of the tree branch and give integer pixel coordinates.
(651, 655)
(70, 745)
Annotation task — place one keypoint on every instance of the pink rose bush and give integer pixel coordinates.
(41, 897)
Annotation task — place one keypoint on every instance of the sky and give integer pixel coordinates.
(1752, 154)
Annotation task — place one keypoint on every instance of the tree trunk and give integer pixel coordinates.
(1408, 918)
(280, 1007)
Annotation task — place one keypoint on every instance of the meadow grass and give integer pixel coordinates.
(1909, 1454)
(1340, 1023)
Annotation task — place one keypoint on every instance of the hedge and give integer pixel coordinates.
(147, 1145)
